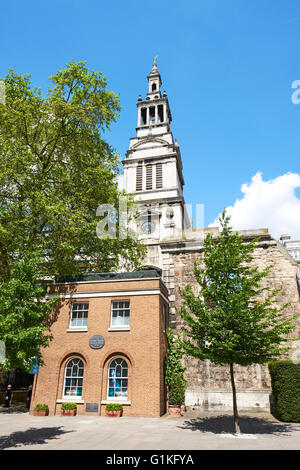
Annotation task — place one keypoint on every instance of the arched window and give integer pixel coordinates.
(73, 378)
(154, 87)
(117, 379)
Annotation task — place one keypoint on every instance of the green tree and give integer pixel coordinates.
(235, 318)
(25, 315)
(56, 169)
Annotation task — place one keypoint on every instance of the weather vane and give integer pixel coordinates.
(154, 61)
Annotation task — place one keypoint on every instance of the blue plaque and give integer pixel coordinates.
(97, 342)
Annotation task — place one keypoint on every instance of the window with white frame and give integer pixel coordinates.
(117, 379)
(120, 313)
(79, 315)
(73, 378)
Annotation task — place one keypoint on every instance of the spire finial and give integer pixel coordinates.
(154, 61)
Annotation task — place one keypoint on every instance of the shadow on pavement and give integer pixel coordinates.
(14, 409)
(30, 436)
(249, 425)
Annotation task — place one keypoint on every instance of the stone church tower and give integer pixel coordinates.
(153, 171)
(153, 174)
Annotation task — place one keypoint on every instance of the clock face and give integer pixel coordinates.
(148, 228)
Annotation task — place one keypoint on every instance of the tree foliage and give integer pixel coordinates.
(56, 169)
(25, 315)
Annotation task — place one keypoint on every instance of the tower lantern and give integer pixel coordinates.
(154, 110)
(154, 80)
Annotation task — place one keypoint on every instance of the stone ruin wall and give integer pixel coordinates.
(178, 268)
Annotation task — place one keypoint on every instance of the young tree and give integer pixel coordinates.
(234, 319)
(56, 169)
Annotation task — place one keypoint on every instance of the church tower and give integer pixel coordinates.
(153, 168)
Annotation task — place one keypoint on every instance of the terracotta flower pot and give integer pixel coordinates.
(40, 412)
(175, 410)
(114, 414)
(68, 412)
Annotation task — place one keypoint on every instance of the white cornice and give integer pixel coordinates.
(95, 295)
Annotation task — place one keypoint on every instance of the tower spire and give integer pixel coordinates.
(154, 81)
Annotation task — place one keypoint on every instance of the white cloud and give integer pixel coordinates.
(270, 204)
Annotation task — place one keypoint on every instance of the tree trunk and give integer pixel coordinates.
(235, 410)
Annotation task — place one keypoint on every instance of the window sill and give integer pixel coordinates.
(122, 402)
(70, 400)
(119, 328)
(74, 330)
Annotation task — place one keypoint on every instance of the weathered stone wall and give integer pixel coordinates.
(204, 377)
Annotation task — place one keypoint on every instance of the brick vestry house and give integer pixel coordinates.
(109, 344)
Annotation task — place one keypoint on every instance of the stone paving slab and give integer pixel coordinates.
(194, 431)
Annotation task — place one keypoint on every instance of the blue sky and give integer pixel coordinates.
(227, 67)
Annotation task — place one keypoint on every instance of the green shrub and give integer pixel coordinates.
(285, 379)
(41, 406)
(114, 407)
(173, 365)
(177, 389)
(68, 406)
(174, 370)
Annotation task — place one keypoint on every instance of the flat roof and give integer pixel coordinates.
(110, 276)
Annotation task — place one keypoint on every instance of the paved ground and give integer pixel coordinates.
(194, 431)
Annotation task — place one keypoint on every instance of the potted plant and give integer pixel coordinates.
(114, 410)
(41, 409)
(176, 395)
(68, 409)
